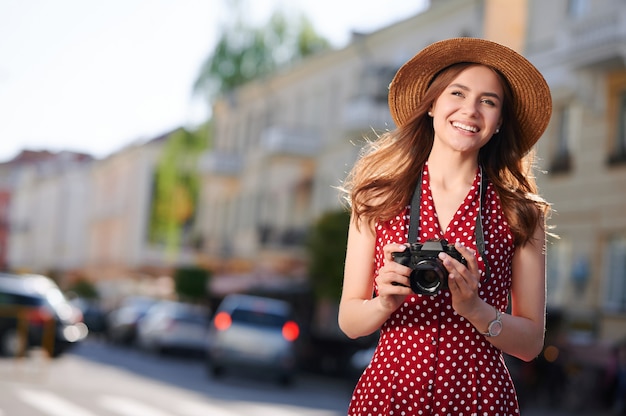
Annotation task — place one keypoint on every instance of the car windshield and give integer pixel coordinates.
(258, 318)
(55, 297)
(13, 299)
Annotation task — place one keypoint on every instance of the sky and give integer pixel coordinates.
(96, 76)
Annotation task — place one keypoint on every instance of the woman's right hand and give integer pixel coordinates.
(392, 281)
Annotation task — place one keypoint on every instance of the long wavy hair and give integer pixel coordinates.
(382, 181)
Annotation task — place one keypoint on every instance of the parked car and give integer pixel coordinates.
(253, 333)
(360, 360)
(94, 315)
(121, 325)
(37, 303)
(174, 327)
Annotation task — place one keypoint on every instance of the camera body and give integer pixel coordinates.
(428, 275)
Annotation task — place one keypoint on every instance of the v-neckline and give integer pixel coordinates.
(466, 202)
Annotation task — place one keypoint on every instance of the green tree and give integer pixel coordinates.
(327, 249)
(176, 189)
(191, 283)
(84, 289)
(244, 52)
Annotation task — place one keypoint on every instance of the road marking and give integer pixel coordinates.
(247, 409)
(262, 409)
(203, 409)
(51, 404)
(129, 407)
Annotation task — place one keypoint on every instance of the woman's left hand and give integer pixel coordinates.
(463, 281)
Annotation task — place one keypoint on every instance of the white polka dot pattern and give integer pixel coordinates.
(429, 360)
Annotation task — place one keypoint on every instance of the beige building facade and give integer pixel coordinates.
(580, 46)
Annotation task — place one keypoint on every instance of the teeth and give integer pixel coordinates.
(465, 127)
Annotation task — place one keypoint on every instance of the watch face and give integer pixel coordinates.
(495, 328)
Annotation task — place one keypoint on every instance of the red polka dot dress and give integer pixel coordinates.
(430, 360)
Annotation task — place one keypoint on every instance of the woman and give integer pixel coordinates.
(468, 112)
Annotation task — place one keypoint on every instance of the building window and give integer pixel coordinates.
(615, 278)
(562, 160)
(558, 259)
(375, 82)
(618, 153)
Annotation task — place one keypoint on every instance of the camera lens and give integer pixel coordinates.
(427, 277)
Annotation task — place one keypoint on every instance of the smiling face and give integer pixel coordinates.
(469, 111)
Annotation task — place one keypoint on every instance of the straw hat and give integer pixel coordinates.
(531, 94)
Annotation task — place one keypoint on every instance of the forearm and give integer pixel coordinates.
(520, 337)
(361, 317)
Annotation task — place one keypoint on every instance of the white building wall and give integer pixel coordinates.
(21, 215)
(73, 220)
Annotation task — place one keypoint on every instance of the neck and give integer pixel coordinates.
(451, 172)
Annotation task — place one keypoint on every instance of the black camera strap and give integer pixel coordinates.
(478, 229)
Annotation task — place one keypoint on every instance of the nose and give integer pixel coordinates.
(470, 107)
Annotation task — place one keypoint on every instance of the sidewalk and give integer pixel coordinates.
(553, 412)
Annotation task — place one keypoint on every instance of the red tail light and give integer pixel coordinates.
(291, 331)
(38, 316)
(222, 321)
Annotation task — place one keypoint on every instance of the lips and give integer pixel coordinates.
(465, 127)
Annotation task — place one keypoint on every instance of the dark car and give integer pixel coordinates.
(94, 315)
(254, 333)
(174, 327)
(35, 313)
(121, 323)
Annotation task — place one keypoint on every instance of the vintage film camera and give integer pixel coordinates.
(428, 275)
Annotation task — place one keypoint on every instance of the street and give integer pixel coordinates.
(98, 379)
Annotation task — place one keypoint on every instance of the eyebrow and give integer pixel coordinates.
(465, 88)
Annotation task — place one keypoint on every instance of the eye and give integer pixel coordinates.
(489, 102)
(457, 93)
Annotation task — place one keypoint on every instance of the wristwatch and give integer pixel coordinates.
(495, 326)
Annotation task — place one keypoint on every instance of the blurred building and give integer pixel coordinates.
(46, 219)
(283, 144)
(580, 46)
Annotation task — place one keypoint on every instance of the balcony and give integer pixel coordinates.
(220, 163)
(594, 40)
(366, 113)
(276, 141)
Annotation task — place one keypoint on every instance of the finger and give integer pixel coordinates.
(458, 273)
(390, 249)
(458, 282)
(394, 274)
(393, 284)
(469, 255)
(461, 278)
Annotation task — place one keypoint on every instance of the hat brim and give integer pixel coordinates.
(532, 100)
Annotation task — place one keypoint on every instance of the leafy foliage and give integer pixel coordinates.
(176, 189)
(327, 249)
(84, 289)
(244, 52)
(191, 283)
